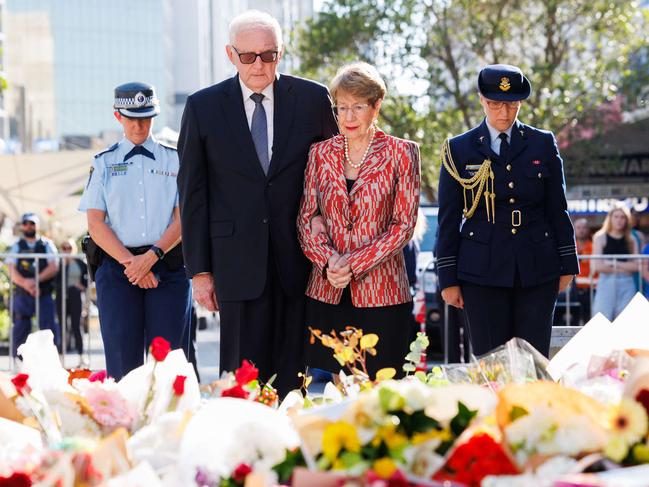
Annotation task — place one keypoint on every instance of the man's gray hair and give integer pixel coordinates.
(252, 19)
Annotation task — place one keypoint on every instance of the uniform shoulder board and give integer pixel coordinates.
(110, 149)
(168, 146)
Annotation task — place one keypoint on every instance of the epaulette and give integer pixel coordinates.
(110, 149)
(168, 146)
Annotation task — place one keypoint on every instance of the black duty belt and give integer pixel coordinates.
(139, 250)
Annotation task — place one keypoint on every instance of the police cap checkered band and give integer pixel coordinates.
(136, 100)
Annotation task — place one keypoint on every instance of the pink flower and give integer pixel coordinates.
(99, 376)
(109, 408)
(160, 348)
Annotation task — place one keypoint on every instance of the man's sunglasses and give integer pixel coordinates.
(27, 222)
(251, 57)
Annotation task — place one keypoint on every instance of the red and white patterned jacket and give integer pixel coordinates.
(372, 223)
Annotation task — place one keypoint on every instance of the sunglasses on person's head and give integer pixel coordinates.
(251, 57)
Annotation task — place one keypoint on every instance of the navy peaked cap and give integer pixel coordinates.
(503, 82)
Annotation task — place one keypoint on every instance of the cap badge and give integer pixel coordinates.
(139, 99)
(504, 84)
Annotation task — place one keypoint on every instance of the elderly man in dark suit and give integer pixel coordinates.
(506, 245)
(243, 148)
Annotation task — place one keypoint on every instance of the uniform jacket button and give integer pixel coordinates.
(512, 201)
(540, 175)
(471, 234)
(511, 185)
(509, 167)
(265, 220)
(513, 231)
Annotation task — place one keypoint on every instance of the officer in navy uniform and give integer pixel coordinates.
(506, 245)
(131, 202)
(23, 274)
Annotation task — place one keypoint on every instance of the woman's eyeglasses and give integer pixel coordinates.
(497, 105)
(356, 109)
(251, 57)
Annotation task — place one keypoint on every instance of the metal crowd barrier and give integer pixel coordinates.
(561, 334)
(85, 311)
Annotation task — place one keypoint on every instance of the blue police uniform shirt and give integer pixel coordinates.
(50, 248)
(495, 137)
(137, 191)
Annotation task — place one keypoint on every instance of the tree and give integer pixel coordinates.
(575, 52)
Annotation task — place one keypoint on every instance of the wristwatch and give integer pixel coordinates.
(159, 253)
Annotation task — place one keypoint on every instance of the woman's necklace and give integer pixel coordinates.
(367, 150)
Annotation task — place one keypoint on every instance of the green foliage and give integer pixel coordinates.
(462, 419)
(417, 347)
(285, 469)
(5, 325)
(577, 54)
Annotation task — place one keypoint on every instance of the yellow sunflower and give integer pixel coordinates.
(338, 436)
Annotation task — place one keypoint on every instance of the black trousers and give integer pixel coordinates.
(73, 307)
(497, 314)
(267, 331)
(391, 324)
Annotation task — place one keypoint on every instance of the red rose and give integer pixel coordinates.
(159, 348)
(241, 472)
(246, 373)
(179, 385)
(20, 383)
(17, 479)
(99, 376)
(236, 391)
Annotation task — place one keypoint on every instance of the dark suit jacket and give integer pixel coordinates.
(229, 208)
(533, 234)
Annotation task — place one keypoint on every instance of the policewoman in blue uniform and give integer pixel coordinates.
(23, 272)
(131, 203)
(506, 245)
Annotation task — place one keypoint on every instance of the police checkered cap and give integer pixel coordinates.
(503, 82)
(136, 100)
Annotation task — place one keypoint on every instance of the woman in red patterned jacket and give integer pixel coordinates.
(365, 186)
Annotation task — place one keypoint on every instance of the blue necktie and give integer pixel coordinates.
(139, 149)
(504, 147)
(259, 131)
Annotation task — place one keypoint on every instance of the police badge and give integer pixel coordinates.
(139, 99)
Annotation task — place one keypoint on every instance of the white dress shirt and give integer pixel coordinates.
(493, 133)
(267, 103)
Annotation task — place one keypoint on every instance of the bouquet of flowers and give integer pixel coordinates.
(396, 429)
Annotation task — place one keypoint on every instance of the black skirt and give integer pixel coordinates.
(390, 323)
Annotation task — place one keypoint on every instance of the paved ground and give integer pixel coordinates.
(208, 352)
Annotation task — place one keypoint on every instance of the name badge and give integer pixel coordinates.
(472, 168)
(163, 173)
(118, 169)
